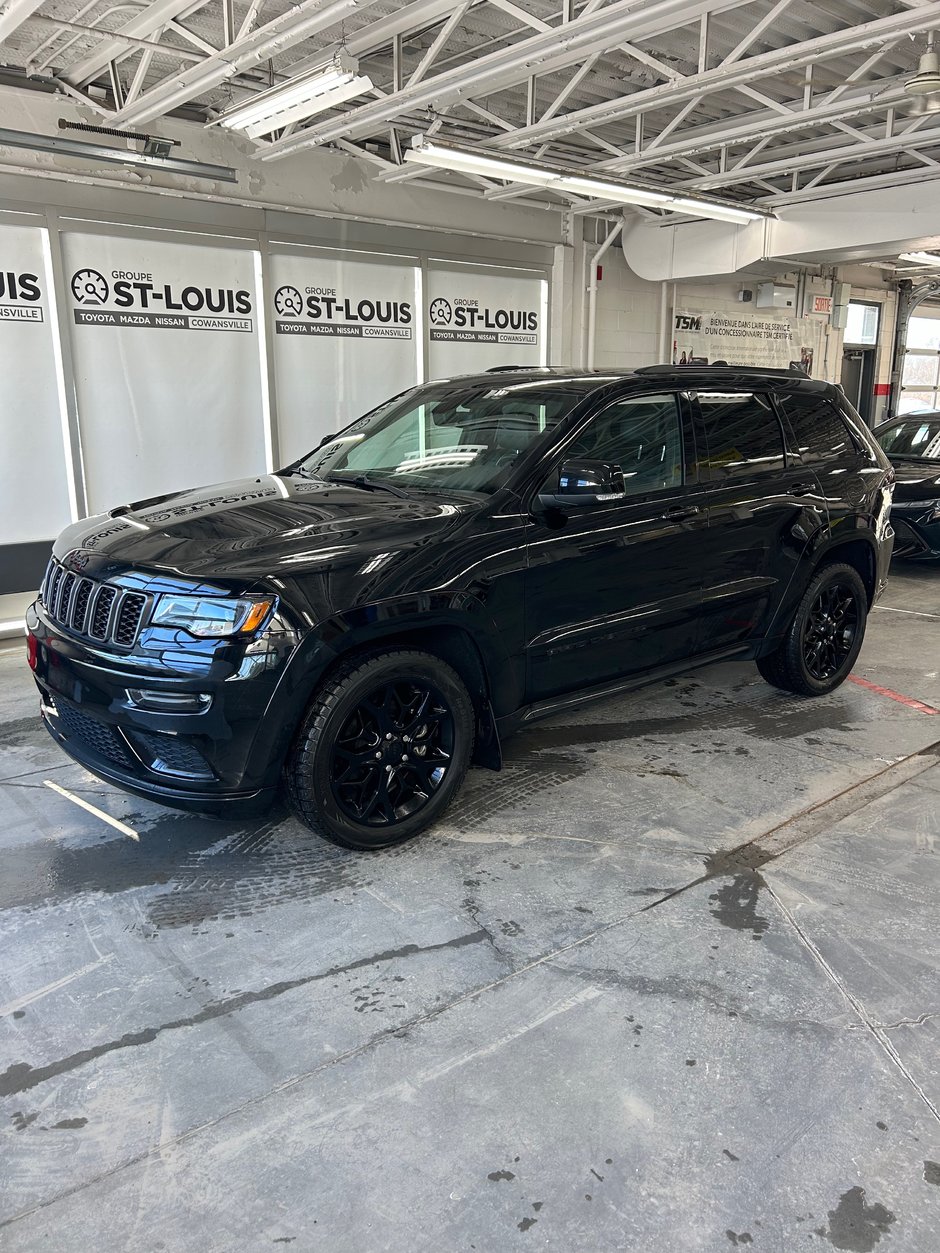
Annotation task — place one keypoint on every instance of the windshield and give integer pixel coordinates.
(916, 438)
(447, 436)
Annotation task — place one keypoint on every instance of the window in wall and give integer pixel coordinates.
(641, 434)
(742, 435)
(862, 324)
(920, 373)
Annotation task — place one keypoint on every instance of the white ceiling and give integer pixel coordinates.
(761, 101)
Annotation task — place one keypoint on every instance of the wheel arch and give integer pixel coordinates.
(475, 654)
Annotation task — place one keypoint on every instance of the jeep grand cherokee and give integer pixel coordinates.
(469, 556)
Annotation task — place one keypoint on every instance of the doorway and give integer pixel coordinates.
(858, 380)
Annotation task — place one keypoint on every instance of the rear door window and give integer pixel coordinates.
(819, 432)
(742, 433)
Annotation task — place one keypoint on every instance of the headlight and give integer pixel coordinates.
(211, 617)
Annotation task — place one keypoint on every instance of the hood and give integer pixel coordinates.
(917, 481)
(280, 524)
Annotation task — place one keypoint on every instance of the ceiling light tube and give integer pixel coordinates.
(306, 108)
(461, 161)
(330, 84)
(476, 163)
(600, 190)
(920, 258)
(717, 212)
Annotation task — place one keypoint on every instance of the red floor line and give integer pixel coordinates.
(886, 691)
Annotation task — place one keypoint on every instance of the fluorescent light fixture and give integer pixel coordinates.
(425, 152)
(298, 98)
(599, 190)
(475, 163)
(920, 258)
(719, 212)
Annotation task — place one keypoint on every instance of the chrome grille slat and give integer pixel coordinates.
(98, 611)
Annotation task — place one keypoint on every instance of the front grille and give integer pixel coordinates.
(98, 736)
(98, 611)
(168, 754)
(907, 542)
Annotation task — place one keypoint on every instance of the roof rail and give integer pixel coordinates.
(794, 370)
(527, 369)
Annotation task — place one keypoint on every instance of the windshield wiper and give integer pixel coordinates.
(369, 485)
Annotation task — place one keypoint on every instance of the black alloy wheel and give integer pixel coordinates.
(824, 636)
(830, 630)
(392, 753)
(383, 749)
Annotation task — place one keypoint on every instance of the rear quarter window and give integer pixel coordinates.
(819, 431)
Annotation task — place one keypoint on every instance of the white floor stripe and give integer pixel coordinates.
(916, 612)
(99, 813)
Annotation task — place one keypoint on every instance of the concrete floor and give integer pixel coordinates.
(575, 1017)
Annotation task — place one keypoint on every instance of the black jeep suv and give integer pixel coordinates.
(471, 555)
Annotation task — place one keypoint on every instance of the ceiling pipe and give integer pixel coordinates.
(592, 293)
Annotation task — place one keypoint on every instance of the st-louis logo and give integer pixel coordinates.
(288, 302)
(441, 312)
(89, 287)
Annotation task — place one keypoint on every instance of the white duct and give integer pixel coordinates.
(855, 226)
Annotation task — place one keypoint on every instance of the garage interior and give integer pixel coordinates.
(670, 979)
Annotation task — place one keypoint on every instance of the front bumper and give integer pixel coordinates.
(224, 757)
(915, 539)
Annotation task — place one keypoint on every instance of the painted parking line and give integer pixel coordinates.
(92, 809)
(914, 613)
(909, 701)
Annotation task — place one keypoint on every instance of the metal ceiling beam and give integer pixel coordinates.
(870, 182)
(762, 126)
(809, 160)
(155, 16)
(541, 54)
(275, 36)
(13, 13)
(852, 39)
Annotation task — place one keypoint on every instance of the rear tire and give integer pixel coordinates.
(383, 749)
(824, 637)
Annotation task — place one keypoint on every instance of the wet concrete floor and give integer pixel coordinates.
(577, 1016)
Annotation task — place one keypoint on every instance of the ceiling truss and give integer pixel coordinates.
(763, 101)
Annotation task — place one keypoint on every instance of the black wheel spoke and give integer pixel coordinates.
(392, 753)
(830, 631)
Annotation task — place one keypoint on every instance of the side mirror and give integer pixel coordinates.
(582, 483)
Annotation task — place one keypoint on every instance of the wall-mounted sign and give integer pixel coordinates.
(168, 396)
(345, 340)
(34, 502)
(20, 296)
(709, 338)
(483, 318)
(145, 298)
(819, 304)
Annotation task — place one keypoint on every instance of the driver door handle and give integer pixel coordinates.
(681, 511)
(803, 489)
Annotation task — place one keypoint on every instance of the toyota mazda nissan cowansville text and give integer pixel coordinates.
(473, 554)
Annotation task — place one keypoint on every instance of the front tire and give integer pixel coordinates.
(383, 750)
(825, 636)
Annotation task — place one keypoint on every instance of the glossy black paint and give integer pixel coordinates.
(914, 510)
(535, 606)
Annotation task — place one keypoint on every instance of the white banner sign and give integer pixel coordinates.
(34, 503)
(345, 339)
(167, 364)
(483, 318)
(758, 339)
